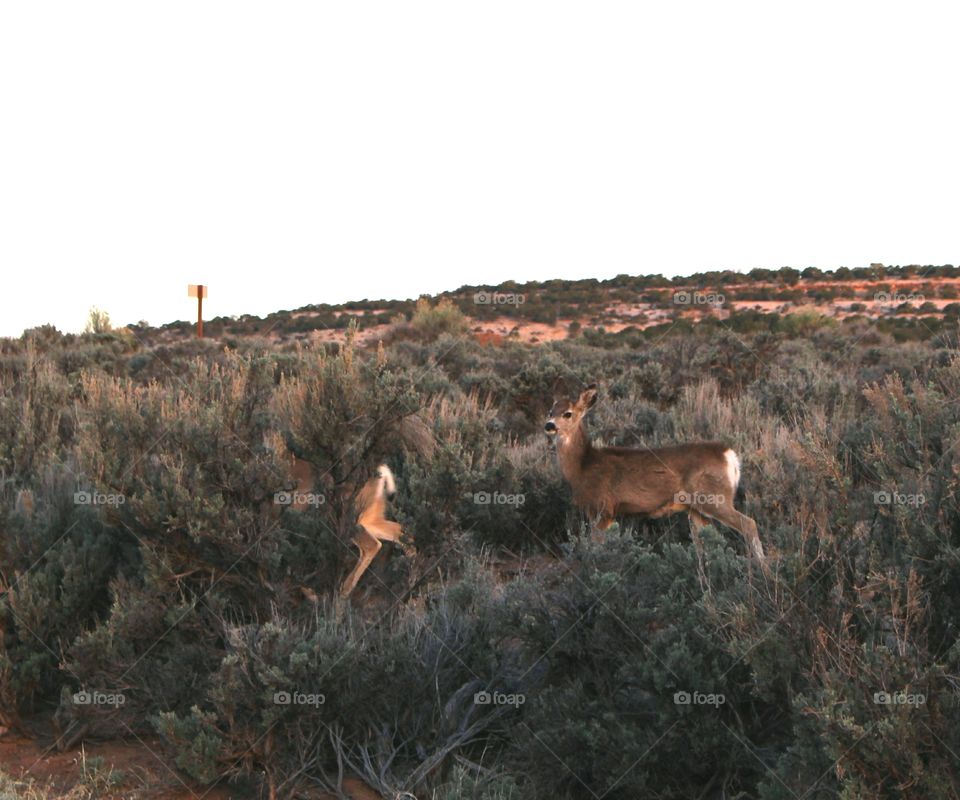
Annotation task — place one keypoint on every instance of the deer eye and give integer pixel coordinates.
(567, 414)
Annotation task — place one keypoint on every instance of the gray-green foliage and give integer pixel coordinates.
(192, 595)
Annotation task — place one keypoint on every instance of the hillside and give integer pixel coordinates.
(904, 299)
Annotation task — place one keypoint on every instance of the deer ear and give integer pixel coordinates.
(589, 396)
(558, 391)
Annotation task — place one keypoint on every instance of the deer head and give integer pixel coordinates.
(565, 416)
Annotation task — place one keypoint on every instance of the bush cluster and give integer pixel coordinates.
(143, 555)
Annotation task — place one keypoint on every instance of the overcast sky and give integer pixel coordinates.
(294, 153)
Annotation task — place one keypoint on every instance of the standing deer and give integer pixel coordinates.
(698, 479)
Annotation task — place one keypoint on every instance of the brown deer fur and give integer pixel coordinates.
(371, 507)
(699, 479)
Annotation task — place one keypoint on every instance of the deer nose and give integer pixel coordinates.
(550, 427)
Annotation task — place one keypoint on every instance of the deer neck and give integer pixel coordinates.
(572, 452)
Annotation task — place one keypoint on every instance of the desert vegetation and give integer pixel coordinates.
(921, 293)
(153, 585)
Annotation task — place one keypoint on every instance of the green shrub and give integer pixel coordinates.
(431, 321)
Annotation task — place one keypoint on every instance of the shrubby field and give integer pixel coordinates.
(151, 585)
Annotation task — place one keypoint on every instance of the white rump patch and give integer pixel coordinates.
(389, 483)
(733, 467)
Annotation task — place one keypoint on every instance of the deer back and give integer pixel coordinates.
(651, 481)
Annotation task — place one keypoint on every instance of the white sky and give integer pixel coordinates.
(292, 153)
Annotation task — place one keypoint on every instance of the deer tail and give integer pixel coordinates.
(733, 468)
(733, 474)
(389, 485)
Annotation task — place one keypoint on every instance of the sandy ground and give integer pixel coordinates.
(145, 771)
(144, 775)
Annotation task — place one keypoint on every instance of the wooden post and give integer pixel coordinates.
(199, 291)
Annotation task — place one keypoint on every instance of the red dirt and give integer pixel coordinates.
(489, 338)
(148, 774)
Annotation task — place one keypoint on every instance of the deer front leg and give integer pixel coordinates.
(600, 524)
(604, 522)
(697, 522)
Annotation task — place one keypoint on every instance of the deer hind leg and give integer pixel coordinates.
(714, 500)
(369, 547)
(728, 515)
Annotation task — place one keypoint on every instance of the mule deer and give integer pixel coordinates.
(698, 479)
(370, 506)
(375, 528)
